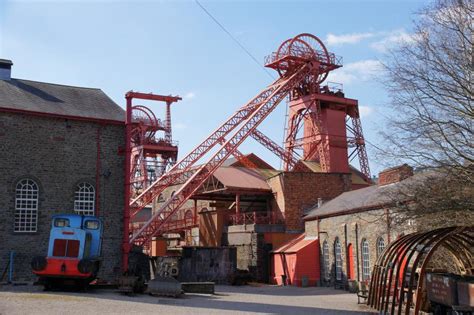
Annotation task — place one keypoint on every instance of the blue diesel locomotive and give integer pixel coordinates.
(74, 252)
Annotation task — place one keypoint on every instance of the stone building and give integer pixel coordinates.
(354, 228)
(60, 152)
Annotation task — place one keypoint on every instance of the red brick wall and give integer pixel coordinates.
(295, 192)
(395, 174)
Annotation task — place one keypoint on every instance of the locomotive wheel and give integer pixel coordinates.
(85, 266)
(38, 263)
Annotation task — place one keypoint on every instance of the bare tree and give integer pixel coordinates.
(430, 83)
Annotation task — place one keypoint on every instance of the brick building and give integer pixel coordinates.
(59, 153)
(354, 228)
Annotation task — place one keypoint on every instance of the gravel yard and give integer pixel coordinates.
(228, 299)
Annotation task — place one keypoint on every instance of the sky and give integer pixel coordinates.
(174, 47)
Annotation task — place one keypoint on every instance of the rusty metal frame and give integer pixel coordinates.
(389, 288)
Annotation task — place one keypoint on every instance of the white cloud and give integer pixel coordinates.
(190, 95)
(362, 70)
(179, 126)
(391, 39)
(333, 40)
(365, 111)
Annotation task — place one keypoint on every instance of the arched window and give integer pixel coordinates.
(84, 199)
(365, 260)
(26, 206)
(326, 263)
(380, 246)
(160, 198)
(338, 257)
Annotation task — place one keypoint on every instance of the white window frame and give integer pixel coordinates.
(338, 259)
(84, 199)
(326, 261)
(365, 260)
(26, 206)
(380, 246)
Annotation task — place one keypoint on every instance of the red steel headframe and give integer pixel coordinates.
(298, 63)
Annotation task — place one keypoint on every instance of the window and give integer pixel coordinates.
(26, 206)
(61, 223)
(326, 264)
(65, 248)
(380, 246)
(365, 260)
(338, 256)
(84, 201)
(92, 225)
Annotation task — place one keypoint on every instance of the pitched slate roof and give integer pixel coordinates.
(368, 198)
(56, 99)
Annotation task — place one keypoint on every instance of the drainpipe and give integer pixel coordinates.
(347, 252)
(389, 232)
(357, 250)
(97, 173)
(127, 171)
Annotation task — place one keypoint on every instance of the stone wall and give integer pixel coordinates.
(216, 264)
(58, 154)
(371, 226)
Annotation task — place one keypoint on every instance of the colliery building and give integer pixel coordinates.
(60, 152)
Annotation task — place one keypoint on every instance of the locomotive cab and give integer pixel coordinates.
(74, 251)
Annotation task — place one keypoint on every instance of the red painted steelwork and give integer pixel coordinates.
(320, 111)
(62, 267)
(303, 63)
(255, 218)
(51, 115)
(142, 150)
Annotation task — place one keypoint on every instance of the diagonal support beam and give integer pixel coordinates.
(271, 145)
(274, 94)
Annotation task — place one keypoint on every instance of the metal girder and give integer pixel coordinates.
(398, 276)
(248, 118)
(268, 143)
(182, 170)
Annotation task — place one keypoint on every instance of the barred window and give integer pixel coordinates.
(326, 263)
(26, 206)
(380, 246)
(338, 256)
(365, 260)
(84, 200)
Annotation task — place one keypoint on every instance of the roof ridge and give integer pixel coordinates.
(57, 84)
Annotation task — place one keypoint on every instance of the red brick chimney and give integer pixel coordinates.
(395, 174)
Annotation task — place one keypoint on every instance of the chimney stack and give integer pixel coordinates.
(5, 69)
(395, 174)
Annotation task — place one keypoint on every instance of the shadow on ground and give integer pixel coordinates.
(217, 301)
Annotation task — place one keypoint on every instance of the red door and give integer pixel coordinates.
(350, 265)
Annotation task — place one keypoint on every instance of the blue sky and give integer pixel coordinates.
(173, 47)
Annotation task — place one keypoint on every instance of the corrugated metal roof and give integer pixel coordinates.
(241, 178)
(49, 98)
(295, 245)
(252, 157)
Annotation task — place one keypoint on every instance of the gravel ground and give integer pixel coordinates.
(227, 300)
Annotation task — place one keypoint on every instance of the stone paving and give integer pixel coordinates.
(263, 299)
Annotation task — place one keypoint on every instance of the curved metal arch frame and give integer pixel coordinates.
(388, 283)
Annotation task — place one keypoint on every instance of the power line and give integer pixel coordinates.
(234, 39)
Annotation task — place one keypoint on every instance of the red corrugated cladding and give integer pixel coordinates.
(295, 260)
